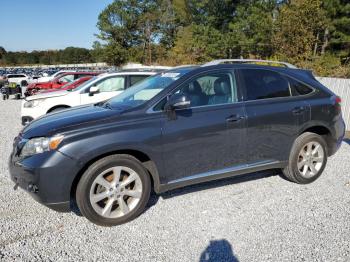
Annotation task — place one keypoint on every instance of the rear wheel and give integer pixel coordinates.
(308, 159)
(114, 190)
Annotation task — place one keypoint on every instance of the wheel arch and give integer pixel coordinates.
(146, 161)
(321, 130)
(55, 107)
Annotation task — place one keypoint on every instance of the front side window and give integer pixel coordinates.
(144, 91)
(111, 84)
(263, 84)
(210, 89)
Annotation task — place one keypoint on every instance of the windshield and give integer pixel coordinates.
(145, 90)
(83, 84)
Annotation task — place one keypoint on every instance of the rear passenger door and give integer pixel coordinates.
(273, 115)
(209, 136)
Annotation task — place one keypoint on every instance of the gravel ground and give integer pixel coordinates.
(260, 217)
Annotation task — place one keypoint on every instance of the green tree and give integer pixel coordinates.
(251, 29)
(125, 25)
(297, 28)
(2, 52)
(337, 33)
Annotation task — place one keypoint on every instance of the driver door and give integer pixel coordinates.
(208, 137)
(108, 87)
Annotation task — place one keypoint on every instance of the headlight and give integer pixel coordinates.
(40, 145)
(33, 103)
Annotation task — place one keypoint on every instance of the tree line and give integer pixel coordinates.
(69, 55)
(312, 34)
(309, 33)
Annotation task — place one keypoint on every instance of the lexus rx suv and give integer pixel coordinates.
(180, 127)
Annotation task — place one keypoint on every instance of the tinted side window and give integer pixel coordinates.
(210, 89)
(299, 89)
(262, 84)
(136, 78)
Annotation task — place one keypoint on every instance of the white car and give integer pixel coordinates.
(17, 78)
(49, 78)
(97, 89)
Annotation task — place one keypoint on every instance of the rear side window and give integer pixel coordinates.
(263, 84)
(137, 78)
(15, 76)
(298, 88)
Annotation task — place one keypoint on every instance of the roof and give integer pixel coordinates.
(251, 61)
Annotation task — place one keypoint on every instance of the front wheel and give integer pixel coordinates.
(113, 190)
(307, 160)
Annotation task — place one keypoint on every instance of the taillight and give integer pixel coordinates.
(338, 100)
(338, 103)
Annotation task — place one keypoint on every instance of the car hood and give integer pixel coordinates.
(69, 119)
(47, 95)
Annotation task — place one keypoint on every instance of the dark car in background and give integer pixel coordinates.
(184, 126)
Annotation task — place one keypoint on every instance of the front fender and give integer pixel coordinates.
(143, 137)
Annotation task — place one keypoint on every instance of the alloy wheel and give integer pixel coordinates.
(310, 159)
(116, 192)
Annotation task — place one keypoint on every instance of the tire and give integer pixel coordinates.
(90, 187)
(300, 159)
(24, 83)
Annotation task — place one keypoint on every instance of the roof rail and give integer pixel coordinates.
(242, 61)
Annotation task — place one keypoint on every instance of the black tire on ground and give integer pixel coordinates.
(86, 181)
(24, 83)
(291, 172)
(18, 96)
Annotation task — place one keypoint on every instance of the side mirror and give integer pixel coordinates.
(177, 101)
(94, 90)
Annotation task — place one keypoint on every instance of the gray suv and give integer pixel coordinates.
(180, 127)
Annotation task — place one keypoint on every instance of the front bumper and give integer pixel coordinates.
(31, 113)
(47, 177)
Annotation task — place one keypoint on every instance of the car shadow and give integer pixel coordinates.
(220, 183)
(218, 250)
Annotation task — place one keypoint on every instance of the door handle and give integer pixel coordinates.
(234, 118)
(298, 110)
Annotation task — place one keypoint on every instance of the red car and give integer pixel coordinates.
(57, 82)
(68, 86)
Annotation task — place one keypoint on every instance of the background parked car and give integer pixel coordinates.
(57, 82)
(68, 86)
(17, 78)
(48, 78)
(95, 90)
